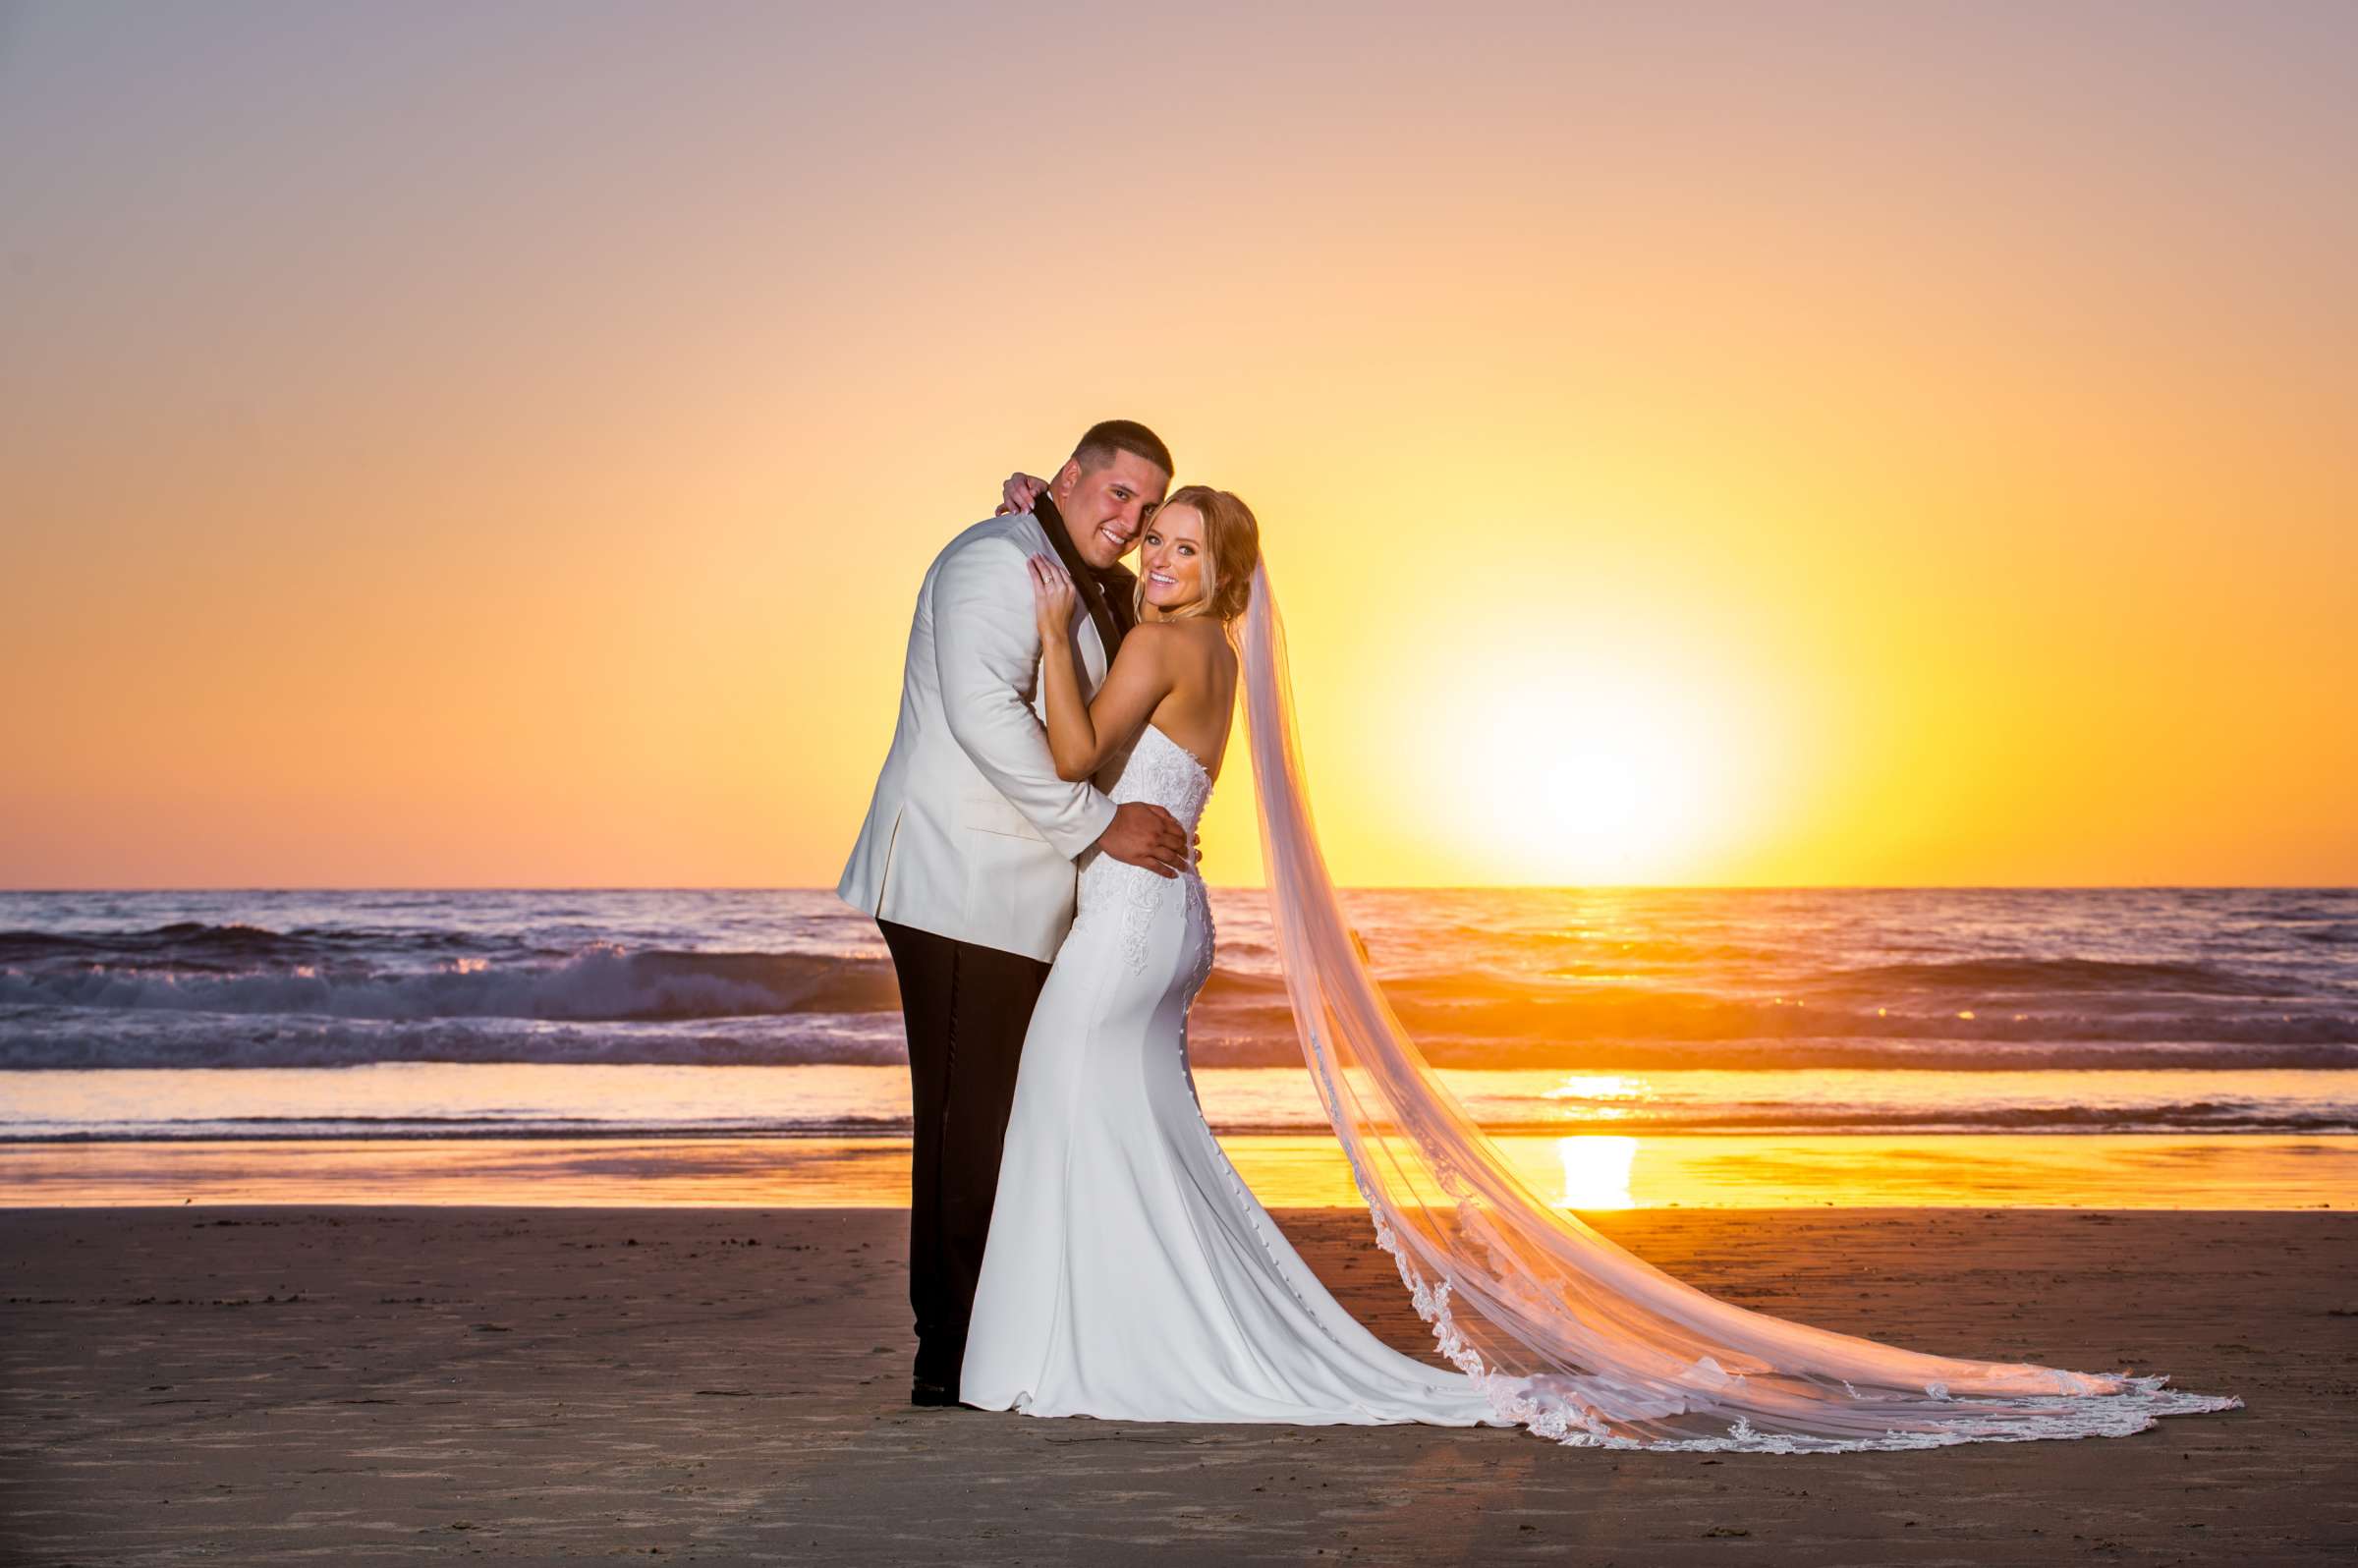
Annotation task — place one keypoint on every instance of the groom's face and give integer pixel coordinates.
(1106, 508)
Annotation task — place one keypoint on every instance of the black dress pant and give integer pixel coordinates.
(966, 1008)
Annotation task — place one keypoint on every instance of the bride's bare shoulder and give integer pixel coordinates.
(1205, 636)
(1195, 639)
(1212, 637)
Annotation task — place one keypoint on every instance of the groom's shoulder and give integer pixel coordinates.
(1016, 536)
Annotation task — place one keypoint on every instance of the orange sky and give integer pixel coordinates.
(1813, 444)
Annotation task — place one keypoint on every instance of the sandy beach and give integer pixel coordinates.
(263, 1384)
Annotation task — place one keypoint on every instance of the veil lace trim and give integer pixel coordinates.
(1564, 1331)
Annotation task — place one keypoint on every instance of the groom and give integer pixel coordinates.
(968, 857)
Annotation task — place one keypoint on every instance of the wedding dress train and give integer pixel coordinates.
(1130, 1273)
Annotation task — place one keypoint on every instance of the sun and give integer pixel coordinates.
(1599, 773)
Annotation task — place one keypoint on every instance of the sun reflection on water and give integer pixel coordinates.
(1598, 1086)
(1597, 1171)
(1583, 1091)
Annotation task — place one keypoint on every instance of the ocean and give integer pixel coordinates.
(310, 1015)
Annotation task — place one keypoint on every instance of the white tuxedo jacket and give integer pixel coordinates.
(970, 834)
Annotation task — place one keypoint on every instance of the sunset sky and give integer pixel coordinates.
(1770, 443)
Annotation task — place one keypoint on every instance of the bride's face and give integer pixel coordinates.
(1172, 558)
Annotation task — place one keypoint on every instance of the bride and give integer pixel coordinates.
(1129, 1271)
(1131, 1274)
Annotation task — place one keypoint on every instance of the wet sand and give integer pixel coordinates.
(358, 1384)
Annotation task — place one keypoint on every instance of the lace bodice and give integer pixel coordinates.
(1160, 772)
(1163, 772)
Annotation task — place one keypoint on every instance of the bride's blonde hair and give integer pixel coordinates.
(1231, 550)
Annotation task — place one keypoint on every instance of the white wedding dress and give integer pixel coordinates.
(1129, 1273)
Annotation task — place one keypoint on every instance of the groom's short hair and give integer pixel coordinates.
(1102, 440)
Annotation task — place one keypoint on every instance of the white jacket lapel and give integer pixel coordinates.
(1092, 653)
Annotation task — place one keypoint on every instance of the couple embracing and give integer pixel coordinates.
(1079, 1241)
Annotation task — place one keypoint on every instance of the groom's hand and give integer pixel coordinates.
(1146, 836)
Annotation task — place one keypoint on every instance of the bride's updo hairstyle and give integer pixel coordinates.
(1231, 550)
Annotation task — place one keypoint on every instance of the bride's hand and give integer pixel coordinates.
(1020, 493)
(1052, 596)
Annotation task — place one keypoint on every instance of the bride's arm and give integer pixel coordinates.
(1082, 734)
(1021, 493)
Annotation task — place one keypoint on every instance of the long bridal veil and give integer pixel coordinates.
(1566, 1332)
